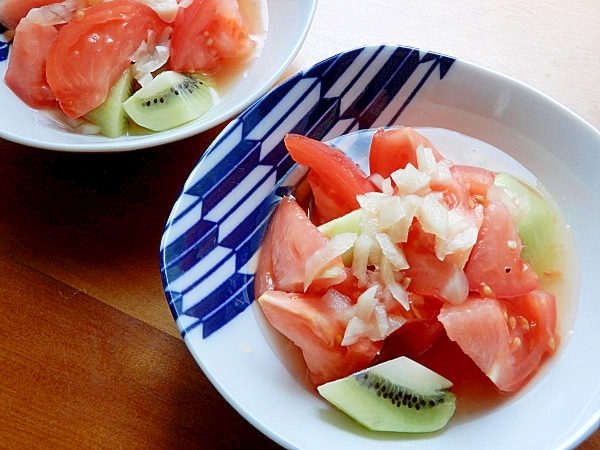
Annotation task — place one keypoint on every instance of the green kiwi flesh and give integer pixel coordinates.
(399, 395)
(169, 100)
(348, 223)
(110, 115)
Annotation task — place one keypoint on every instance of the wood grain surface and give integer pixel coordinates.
(89, 353)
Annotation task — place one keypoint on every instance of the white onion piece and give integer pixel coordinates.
(399, 230)
(366, 303)
(317, 262)
(400, 294)
(356, 329)
(381, 325)
(433, 216)
(54, 13)
(151, 55)
(411, 180)
(425, 159)
(462, 235)
(457, 288)
(360, 258)
(392, 252)
(166, 9)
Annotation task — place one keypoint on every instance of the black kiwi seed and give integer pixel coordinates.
(397, 395)
(187, 86)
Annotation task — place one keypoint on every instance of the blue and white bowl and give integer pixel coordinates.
(208, 251)
(287, 23)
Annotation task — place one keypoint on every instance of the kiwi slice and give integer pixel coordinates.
(110, 115)
(399, 395)
(169, 100)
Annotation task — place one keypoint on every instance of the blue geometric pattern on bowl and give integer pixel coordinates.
(209, 247)
(4, 44)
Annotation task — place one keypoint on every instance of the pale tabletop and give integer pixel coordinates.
(89, 353)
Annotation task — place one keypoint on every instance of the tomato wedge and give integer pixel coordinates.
(334, 178)
(317, 328)
(495, 267)
(289, 243)
(506, 338)
(394, 148)
(26, 71)
(91, 52)
(206, 33)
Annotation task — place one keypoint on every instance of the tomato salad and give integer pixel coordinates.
(418, 253)
(68, 55)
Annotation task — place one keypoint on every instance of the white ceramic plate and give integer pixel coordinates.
(211, 238)
(288, 24)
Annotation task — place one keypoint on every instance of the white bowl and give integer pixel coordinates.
(209, 244)
(288, 25)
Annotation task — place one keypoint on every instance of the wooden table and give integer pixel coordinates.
(89, 353)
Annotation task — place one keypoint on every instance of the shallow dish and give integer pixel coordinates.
(288, 25)
(209, 245)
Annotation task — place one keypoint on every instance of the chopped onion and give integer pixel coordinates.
(433, 216)
(381, 323)
(377, 180)
(425, 159)
(360, 258)
(380, 211)
(400, 294)
(391, 251)
(356, 329)
(456, 290)
(319, 260)
(411, 180)
(166, 9)
(340, 303)
(366, 303)
(151, 55)
(387, 187)
(54, 13)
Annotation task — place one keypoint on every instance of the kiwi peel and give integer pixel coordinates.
(399, 395)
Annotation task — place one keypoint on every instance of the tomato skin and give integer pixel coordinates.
(334, 178)
(393, 149)
(495, 267)
(327, 201)
(205, 34)
(26, 70)
(92, 51)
